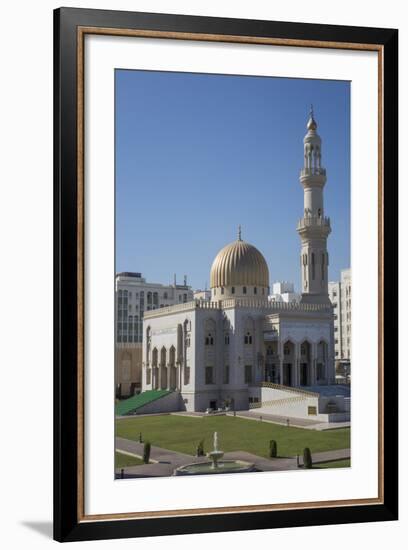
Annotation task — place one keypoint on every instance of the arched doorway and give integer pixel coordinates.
(288, 363)
(305, 378)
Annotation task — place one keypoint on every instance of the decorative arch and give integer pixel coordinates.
(155, 355)
(172, 356)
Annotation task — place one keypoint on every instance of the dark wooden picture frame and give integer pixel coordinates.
(70, 27)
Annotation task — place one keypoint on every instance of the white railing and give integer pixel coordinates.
(313, 171)
(290, 389)
(313, 221)
(235, 303)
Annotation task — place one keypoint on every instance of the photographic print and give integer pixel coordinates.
(233, 281)
(225, 274)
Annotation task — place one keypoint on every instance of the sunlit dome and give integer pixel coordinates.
(239, 263)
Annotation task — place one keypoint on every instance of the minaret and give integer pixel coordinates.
(314, 227)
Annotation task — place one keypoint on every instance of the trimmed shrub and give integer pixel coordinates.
(273, 449)
(307, 458)
(146, 452)
(200, 448)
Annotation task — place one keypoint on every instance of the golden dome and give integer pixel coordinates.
(239, 263)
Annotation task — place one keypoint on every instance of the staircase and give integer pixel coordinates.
(131, 405)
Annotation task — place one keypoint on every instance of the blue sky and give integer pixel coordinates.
(197, 155)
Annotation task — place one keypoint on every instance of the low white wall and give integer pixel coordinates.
(169, 403)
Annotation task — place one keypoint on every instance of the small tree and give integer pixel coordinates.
(200, 448)
(273, 449)
(146, 452)
(307, 458)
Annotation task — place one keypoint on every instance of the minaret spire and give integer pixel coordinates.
(239, 233)
(314, 227)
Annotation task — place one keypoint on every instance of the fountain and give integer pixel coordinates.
(215, 454)
(216, 466)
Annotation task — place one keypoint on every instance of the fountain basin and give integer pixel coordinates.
(223, 467)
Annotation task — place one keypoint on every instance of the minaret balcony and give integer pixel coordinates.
(313, 221)
(315, 171)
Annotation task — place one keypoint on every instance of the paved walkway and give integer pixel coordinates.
(164, 461)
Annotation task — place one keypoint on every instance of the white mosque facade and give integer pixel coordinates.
(238, 349)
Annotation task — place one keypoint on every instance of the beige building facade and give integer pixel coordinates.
(133, 297)
(340, 297)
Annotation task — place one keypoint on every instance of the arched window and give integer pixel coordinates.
(323, 266)
(172, 356)
(248, 338)
(209, 328)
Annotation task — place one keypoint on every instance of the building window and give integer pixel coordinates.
(186, 376)
(179, 297)
(244, 290)
(248, 374)
(148, 376)
(312, 411)
(222, 290)
(335, 317)
(335, 329)
(303, 349)
(248, 338)
(209, 375)
(255, 290)
(233, 290)
(165, 296)
(209, 340)
(184, 298)
(286, 349)
(226, 339)
(226, 375)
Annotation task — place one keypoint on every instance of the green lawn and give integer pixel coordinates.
(334, 464)
(182, 434)
(124, 461)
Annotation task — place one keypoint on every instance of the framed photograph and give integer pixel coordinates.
(225, 274)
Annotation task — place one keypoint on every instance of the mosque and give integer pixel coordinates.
(238, 350)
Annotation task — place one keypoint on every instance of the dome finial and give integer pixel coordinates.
(239, 233)
(311, 123)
